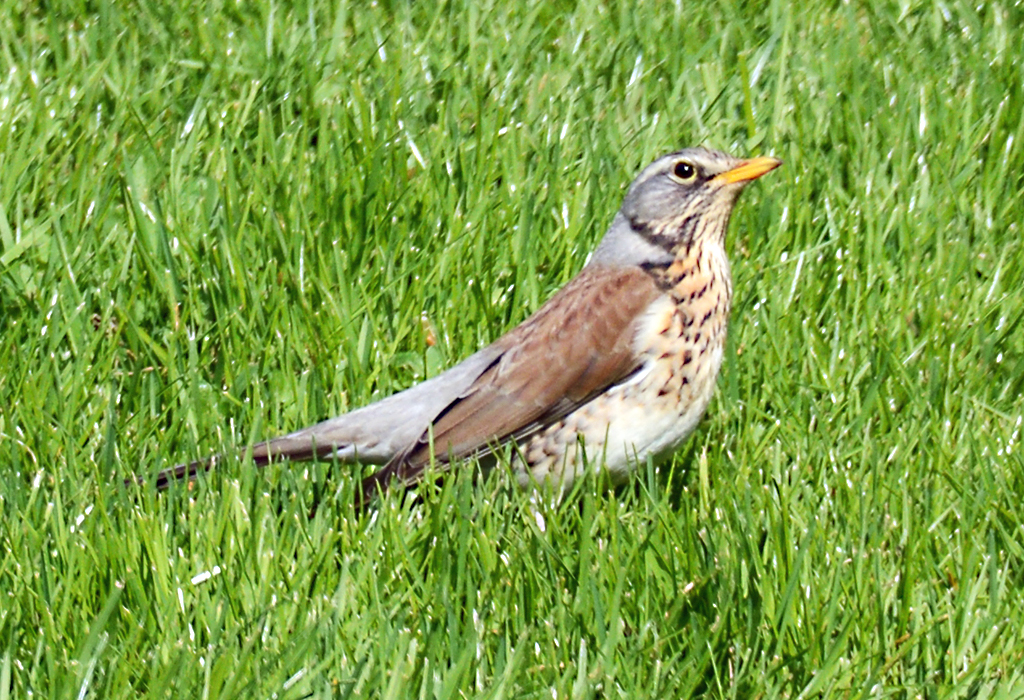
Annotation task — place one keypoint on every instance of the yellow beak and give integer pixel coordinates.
(747, 170)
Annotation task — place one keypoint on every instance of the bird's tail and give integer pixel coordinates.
(375, 434)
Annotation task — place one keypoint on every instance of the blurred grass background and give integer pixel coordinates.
(219, 222)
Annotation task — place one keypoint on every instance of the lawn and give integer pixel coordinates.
(220, 223)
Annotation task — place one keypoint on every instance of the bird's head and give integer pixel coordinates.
(678, 199)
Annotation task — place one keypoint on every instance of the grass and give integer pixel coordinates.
(221, 223)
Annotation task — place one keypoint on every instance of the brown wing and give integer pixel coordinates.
(576, 345)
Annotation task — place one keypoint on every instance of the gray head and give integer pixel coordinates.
(678, 199)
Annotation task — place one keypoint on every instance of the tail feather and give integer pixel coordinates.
(374, 434)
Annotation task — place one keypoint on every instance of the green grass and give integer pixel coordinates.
(221, 223)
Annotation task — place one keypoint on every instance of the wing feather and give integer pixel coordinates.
(577, 345)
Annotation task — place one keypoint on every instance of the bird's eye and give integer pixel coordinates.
(684, 171)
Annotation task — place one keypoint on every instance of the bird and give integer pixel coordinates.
(620, 363)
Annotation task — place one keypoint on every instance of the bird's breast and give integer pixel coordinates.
(679, 340)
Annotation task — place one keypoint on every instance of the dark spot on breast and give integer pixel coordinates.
(698, 293)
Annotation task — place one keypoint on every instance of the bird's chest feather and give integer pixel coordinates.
(681, 337)
(683, 331)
